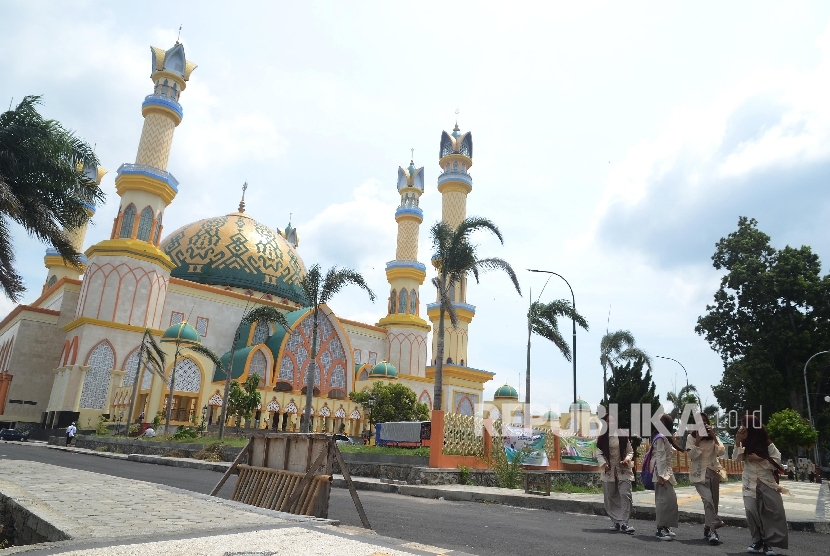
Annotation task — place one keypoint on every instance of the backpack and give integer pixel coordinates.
(646, 474)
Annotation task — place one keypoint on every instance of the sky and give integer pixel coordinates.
(614, 143)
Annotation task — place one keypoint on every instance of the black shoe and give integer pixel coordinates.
(713, 538)
(756, 548)
(663, 534)
(624, 528)
(768, 550)
(706, 532)
(615, 527)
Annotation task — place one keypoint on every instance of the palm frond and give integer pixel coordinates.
(338, 278)
(475, 223)
(207, 353)
(310, 284)
(154, 347)
(266, 313)
(493, 263)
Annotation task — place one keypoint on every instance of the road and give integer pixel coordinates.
(465, 526)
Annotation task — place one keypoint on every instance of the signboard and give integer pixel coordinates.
(578, 450)
(518, 439)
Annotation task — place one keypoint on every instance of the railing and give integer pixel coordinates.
(128, 168)
(455, 175)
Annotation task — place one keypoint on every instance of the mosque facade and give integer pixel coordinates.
(73, 354)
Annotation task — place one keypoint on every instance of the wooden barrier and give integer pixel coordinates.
(274, 490)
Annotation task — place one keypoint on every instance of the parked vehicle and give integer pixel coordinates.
(13, 434)
(343, 440)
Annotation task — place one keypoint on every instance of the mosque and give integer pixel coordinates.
(73, 354)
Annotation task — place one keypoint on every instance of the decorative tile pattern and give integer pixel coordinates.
(261, 333)
(202, 326)
(338, 377)
(156, 140)
(291, 407)
(463, 435)
(453, 207)
(215, 399)
(355, 414)
(131, 368)
(273, 405)
(286, 370)
(407, 247)
(340, 413)
(325, 411)
(258, 364)
(373, 359)
(188, 376)
(176, 318)
(97, 379)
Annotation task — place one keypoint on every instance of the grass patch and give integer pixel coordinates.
(387, 450)
(571, 488)
(101, 449)
(237, 442)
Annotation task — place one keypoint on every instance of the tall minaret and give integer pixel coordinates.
(407, 331)
(454, 184)
(146, 189)
(56, 267)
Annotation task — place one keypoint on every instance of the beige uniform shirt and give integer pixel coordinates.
(703, 457)
(617, 471)
(662, 456)
(755, 471)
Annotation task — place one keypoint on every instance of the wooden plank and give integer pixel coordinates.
(348, 478)
(230, 470)
(306, 479)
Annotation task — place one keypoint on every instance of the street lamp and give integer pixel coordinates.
(809, 410)
(573, 321)
(371, 407)
(679, 363)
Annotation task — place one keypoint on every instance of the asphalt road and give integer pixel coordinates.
(469, 527)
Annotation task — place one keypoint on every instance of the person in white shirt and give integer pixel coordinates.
(71, 430)
(663, 449)
(705, 473)
(764, 507)
(615, 460)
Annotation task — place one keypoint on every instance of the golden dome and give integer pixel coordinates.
(236, 250)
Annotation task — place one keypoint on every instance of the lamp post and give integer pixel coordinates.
(371, 407)
(573, 322)
(203, 425)
(679, 363)
(809, 410)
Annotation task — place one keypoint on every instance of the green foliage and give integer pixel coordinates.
(617, 348)
(544, 321)
(43, 186)
(393, 402)
(212, 452)
(769, 315)
(134, 430)
(183, 433)
(572, 488)
(508, 473)
(789, 431)
(388, 450)
(464, 475)
(456, 259)
(687, 395)
(629, 385)
(243, 400)
(101, 427)
(157, 420)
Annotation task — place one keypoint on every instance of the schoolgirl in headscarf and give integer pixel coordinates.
(705, 473)
(663, 449)
(764, 507)
(617, 471)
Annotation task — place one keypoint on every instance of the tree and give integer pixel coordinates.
(616, 348)
(456, 259)
(261, 313)
(43, 186)
(687, 395)
(319, 290)
(790, 431)
(769, 315)
(393, 402)
(197, 348)
(243, 400)
(629, 386)
(149, 354)
(543, 319)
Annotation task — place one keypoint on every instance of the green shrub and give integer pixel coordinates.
(157, 420)
(101, 428)
(464, 475)
(186, 432)
(211, 452)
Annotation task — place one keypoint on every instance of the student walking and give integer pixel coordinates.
(70, 433)
(764, 507)
(663, 449)
(705, 472)
(615, 459)
(811, 471)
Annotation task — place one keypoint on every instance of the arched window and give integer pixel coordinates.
(145, 224)
(157, 235)
(97, 378)
(127, 222)
(52, 281)
(286, 370)
(364, 375)
(188, 376)
(131, 368)
(465, 406)
(393, 302)
(164, 88)
(338, 377)
(261, 333)
(455, 166)
(403, 301)
(413, 303)
(258, 364)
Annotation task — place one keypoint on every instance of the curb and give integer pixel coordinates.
(419, 491)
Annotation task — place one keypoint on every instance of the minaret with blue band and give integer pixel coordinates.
(407, 331)
(56, 267)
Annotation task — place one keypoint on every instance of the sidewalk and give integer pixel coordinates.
(800, 508)
(79, 512)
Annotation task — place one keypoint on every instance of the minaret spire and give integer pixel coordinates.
(242, 202)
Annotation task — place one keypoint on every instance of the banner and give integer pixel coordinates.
(517, 439)
(578, 450)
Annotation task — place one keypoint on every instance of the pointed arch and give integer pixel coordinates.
(425, 398)
(258, 365)
(403, 301)
(465, 406)
(127, 221)
(188, 376)
(95, 389)
(413, 302)
(145, 224)
(393, 302)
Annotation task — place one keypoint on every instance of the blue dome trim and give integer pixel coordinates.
(410, 210)
(163, 100)
(150, 171)
(52, 252)
(406, 264)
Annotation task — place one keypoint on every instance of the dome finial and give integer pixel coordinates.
(242, 202)
(456, 131)
(179, 36)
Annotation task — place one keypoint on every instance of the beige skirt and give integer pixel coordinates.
(765, 516)
(665, 502)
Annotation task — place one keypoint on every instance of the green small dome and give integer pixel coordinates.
(506, 391)
(384, 369)
(551, 416)
(581, 405)
(182, 332)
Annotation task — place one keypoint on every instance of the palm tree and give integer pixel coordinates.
(688, 395)
(543, 320)
(149, 354)
(318, 291)
(197, 348)
(456, 258)
(43, 186)
(615, 349)
(262, 313)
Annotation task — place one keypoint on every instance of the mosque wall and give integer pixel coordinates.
(371, 341)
